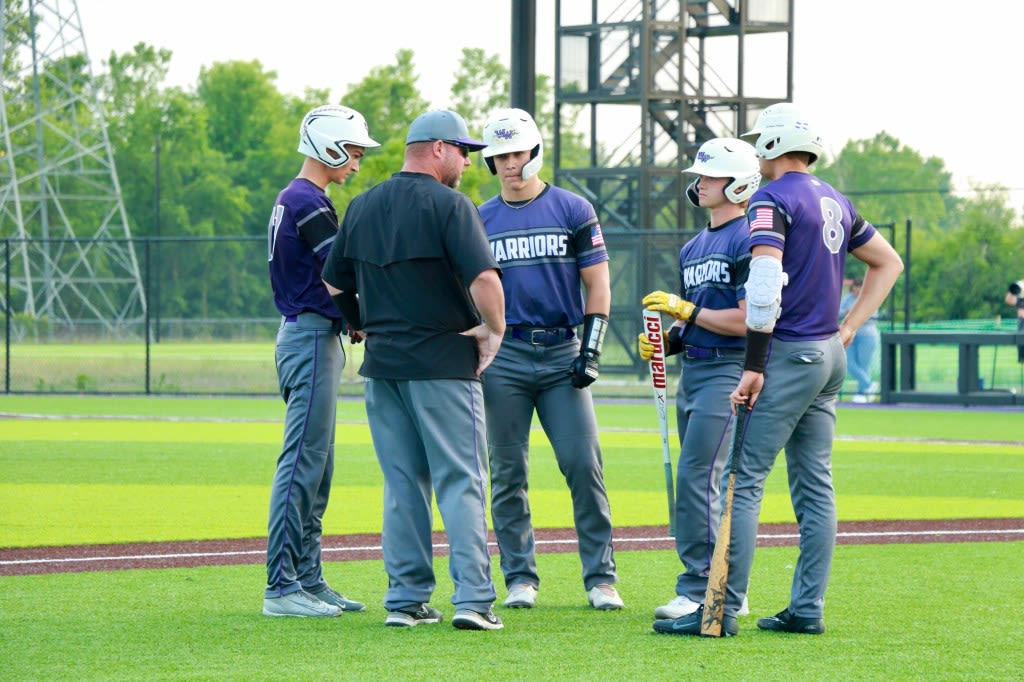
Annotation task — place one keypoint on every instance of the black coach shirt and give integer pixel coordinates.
(410, 247)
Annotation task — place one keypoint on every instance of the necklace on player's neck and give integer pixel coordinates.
(525, 202)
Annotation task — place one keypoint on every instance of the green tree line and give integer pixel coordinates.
(965, 251)
(225, 147)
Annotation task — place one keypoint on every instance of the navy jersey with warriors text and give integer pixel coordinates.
(815, 226)
(303, 225)
(541, 247)
(713, 268)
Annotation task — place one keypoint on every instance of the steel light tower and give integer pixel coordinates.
(648, 81)
(639, 86)
(72, 261)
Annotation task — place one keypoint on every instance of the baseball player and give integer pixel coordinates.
(801, 229)
(412, 264)
(548, 241)
(309, 356)
(709, 332)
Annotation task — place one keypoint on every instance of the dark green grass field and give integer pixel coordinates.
(110, 470)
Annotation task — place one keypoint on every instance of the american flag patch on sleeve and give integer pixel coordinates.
(596, 238)
(764, 218)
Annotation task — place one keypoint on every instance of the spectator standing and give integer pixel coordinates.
(1015, 297)
(860, 354)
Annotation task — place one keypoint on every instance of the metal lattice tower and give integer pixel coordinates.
(649, 81)
(71, 258)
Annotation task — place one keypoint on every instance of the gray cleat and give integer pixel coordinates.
(326, 594)
(299, 604)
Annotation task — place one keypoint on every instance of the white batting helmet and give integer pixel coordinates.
(729, 157)
(326, 130)
(513, 130)
(780, 129)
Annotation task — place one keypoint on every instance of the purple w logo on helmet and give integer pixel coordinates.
(505, 133)
(704, 157)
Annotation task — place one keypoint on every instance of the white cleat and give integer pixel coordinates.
(604, 597)
(677, 608)
(521, 596)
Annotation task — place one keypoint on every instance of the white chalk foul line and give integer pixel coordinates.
(444, 545)
(129, 557)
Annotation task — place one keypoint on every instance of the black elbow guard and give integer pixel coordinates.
(348, 305)
(758, 344)
(675, 341)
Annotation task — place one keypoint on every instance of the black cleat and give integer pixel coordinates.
(785, 621)
(690, 625)
(411, 616)
(468, 619)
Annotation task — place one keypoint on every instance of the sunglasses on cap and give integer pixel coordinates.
(463, 149)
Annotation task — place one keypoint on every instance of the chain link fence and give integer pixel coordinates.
(206, 322)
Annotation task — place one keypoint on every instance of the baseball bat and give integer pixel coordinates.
(659, 381)
(714, 597)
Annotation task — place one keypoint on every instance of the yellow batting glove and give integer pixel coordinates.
(646, 348)
(677, 307)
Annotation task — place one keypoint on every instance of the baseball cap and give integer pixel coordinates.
(444, 125)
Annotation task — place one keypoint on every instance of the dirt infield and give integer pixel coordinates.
(79, 558)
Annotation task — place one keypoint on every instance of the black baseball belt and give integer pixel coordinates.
(541, 336)
(701, 353)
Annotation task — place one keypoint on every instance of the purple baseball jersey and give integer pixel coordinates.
(815, 226)
(548, 240)
(303, 225)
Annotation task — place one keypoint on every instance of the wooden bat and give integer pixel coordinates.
(714, 598)
(659, 381)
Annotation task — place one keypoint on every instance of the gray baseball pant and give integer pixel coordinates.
(523, 378)
(309, 362)
(702, 412)
(795, 411)
(429, 437)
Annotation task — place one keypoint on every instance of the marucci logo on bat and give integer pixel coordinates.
(655, 337)
(658, 374)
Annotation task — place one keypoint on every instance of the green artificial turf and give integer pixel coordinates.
(162, 469)
(165, 477)
(85, 491)
(853, 421)
(895, 612)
